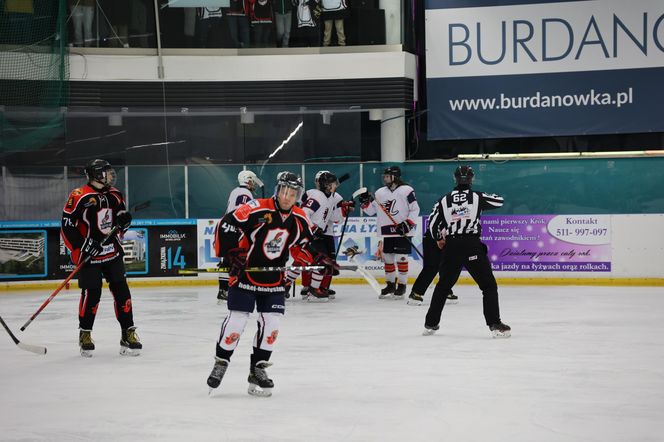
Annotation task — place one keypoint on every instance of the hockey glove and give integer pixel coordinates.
(403, 228)
(123, 219)
(365, 198)
(237, 259)
(346, 207)
(331, 266)
(91, 248)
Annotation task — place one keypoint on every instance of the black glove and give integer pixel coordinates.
(91, 248)
(123, 219)
(331, 266)
(365, 198)
(237, 260)
(403, 228)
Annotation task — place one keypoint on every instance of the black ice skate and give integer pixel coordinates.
(217, 374)
(452, 298)
(500, 330)
(400, 291)
(430, 329)
(415, 299)
(222, 296)
(304, 293)
(86, 343)
(330, 293)
(130, 345)
(259, 383)
(317, 295)
(387, 291)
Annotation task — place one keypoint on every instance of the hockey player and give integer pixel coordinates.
(455, 226)
(324, 207)
(271, 227)
(248, 184)
(398, 200)
(89, 215)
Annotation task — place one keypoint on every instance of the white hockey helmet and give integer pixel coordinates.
(249, 179)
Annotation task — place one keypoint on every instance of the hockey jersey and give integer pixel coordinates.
(268, 236)
(401, 205)
(91, 213)
(322, 210)
(458, 213)
(237, 197)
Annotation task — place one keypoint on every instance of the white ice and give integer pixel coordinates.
(583, 364)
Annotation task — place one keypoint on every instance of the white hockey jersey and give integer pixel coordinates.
(322, 211)
(400, 203)
(238, 196)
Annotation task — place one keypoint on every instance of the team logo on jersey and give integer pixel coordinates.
(76, 192)
(91, 202)
(105, 220)
(273, 337)
(275, 242)
(230, 339)
(390, 206)
(459, 212)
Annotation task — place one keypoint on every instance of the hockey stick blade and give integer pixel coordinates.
(344, 177)
(36, 349)
(359, 192)
(370, 279)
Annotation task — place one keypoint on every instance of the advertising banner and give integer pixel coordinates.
(548, 243)
(361, 245)
(535, 68)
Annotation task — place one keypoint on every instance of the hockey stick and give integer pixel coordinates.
(385, 211)
(36, 349)
(248, 269)
(344, 177)
(343, 230)
(64, 283)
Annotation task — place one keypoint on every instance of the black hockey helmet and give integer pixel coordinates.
(291, 181)
(395, 171)
(101, 172)
(324, 180)
(463, 175)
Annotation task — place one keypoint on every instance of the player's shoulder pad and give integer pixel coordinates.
(299, 212)
(243, 212)
(84, 194)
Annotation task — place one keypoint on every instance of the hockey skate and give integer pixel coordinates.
(400, 292)
(387, 291)
(429, 330)
(415, 299)
(317, 295)
(222, 296)
(86, 343)
(130, 345)
(330, 293)
(304, 293)
(452, 298)
(500, 330)
(217, 374)
(259, 383)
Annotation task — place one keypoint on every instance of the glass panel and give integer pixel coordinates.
(112, 23)
(209, 187)
(161, 187)
(280, 23)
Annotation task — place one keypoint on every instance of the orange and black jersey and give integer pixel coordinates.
(91, 213)
(268, 236)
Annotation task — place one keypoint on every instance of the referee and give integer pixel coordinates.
(455, 225)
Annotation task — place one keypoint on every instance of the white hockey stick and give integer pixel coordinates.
(36, 349)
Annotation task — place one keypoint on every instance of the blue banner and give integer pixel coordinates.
(517, 69)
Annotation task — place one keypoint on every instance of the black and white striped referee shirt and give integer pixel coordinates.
(458, 213)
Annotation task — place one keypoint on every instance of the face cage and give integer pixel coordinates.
(107, 178)
(387, 176)
(281, 187)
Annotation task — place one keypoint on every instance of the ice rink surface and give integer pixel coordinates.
(583, 364)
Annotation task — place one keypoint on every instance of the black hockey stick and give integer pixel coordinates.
(249, 269)
(344, 177)
(357, 193)
(36, 349)
(64, 283)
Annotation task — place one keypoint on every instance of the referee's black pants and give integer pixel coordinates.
(471, 253)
